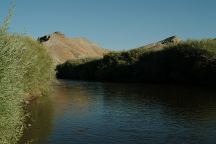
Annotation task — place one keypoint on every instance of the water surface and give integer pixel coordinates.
(107, 113)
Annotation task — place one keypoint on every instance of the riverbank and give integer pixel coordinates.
(192, 61)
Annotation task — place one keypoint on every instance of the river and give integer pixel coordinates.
(115, 113)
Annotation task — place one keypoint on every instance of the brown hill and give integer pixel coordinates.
(63, 48)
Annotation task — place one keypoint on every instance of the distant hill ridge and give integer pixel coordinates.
(62, 48)
(163, 43)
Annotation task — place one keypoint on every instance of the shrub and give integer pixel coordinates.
(191, 61)
(25, 70)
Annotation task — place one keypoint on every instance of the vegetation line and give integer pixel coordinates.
(191, 61)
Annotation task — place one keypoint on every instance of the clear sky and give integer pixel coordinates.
(115, 24)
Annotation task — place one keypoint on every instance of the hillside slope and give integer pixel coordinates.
(62, 48)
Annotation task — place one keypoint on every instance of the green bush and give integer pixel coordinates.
(191, 61)
(25, 70)
(78, 69)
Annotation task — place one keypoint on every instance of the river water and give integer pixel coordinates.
(108, 113)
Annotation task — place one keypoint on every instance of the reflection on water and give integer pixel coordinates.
(84, 112)
(40, 121)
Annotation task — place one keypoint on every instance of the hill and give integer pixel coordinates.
(62, 48)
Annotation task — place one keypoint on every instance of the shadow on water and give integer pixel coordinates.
(39, 121)
(175, 114)
(86, 112)
(178, 100)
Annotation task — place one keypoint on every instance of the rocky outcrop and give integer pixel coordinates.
(163, 43)
(44, 38)
(170, 40)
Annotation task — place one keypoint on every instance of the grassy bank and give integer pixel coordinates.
(191, 61)
(25, 70)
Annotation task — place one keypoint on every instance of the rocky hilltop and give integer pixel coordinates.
(62, 48)
(163, 43)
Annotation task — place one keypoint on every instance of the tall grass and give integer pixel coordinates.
(25, 70)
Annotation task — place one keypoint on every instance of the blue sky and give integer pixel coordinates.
(115, 24)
